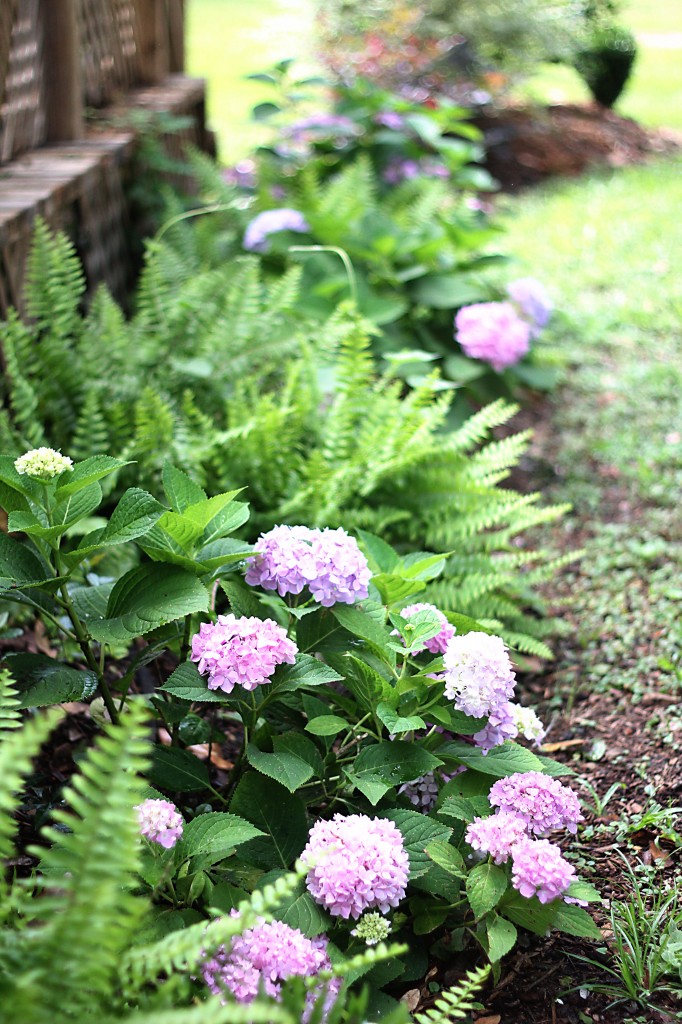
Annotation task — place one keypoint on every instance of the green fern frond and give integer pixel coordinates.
(55, 282)
(213, 1012)
(455, 1003)
(18, 747)
(10, 716)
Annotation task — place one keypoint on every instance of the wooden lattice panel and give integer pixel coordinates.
(22, 113)
(108, 51)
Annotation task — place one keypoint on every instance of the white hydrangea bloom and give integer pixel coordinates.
(43, 463)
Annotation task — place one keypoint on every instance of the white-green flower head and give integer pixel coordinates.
(373, 928)
(528, 723)
(43, 464)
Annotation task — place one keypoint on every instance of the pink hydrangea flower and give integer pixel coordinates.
(532, 299)
(436, 644)
(496, 834)
(329, 562)
(538, 869)
(160, 822)
(541, 801)
(269, 222)
(357, 863)
(266, 955)
(492, 332)
(478, 673)
(501, 726)
(241, 652)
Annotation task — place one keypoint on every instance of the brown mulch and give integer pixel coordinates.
(526, 145)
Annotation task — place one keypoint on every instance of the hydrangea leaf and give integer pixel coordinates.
(177, 770)
(42, 681)
(180, 490)
(276, 812)
(86, 472)
(486, 884)
(187, 683)
(499, 762)
(418, 831)
(147, 597)
(326, 725)
(213, 832)
(501, 935)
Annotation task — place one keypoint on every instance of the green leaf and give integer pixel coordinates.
(180, 490)
(446, 857)
(447, 291)
(423, 566)
(465, 808)
(394, 588)
(286, 768)
(302, 912)
(418, 832)
(301, 746)
(327, 725)
(307, 671)
(454, 720)
(500, 762)
(86, 472)
(135, 514)
(383, 766)
(419, 628)
(380, 553)
(501, 935)
(19, 565)
(215, 831)
(277, 813)
(367, 686)
(187, 683)
(147, 597)
(554, 768)
(40, 680)
(177, 770)
(19, 484)
(243, 599)
(395, 723)
(362, 625)
(65, 513)
(486, 884)
(574, 921)
(584, 891)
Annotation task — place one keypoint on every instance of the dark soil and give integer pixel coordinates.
(526, 145)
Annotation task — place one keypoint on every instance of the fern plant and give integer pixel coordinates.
(220, 373)
(457, 1002)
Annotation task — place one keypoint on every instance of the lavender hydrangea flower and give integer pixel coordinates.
(266, 955)
(538, 869)
(390, 119)
(492, 332)
(357, 863)
(241, 652)
(422, 792)
(268, 223)
(501, 726)
(329, 562)
(532, 299)
(478, 673)
(496, 834)
(160, 822)
(436, 644)
(541, 801)
(321, 125)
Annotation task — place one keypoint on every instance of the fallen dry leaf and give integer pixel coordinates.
(493, 1019)
(411, 999)
(549, 748)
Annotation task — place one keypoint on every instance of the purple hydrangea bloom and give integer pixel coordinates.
(541, 801)
(266, 955)
(243, 174)
(321, 125)
(478, 673)
(241, 652)
(390, 119)
(532, 299)
(501, 726)
(160, 822)
(423, 792)
(358, 863)
(538, 869)
(329, 562)
(268, 223)
(496, 834)
(436, 644)
(492, 332)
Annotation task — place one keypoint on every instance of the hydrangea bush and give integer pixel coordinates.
(323, 712)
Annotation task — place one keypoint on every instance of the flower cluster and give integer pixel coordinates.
(43, 463)
(320, 126)
(478, 673)
(357, 863)
(405, 170)
(329, 562)
(538, 869)
(533, 301)
(542, 802)
(493, 332)
(501, 726)
(436, 644)
(373, 928)
(268, 223)
(160, 822)
(266, 955)
(529, 804)
(528, 724)
(241, 652)
(422, 792)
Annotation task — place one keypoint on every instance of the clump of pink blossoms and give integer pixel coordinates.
(357, 863)
(241, 652)
(266, 955)
(160, 822)
(496, 834)
(269, 222)
(493, 332)
(501, 726)
(542, 802)
(538, 869)
(479, 677)
(436, 644)
(532, 299)
(328, 562)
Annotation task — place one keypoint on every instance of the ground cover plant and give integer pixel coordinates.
(375, 740)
